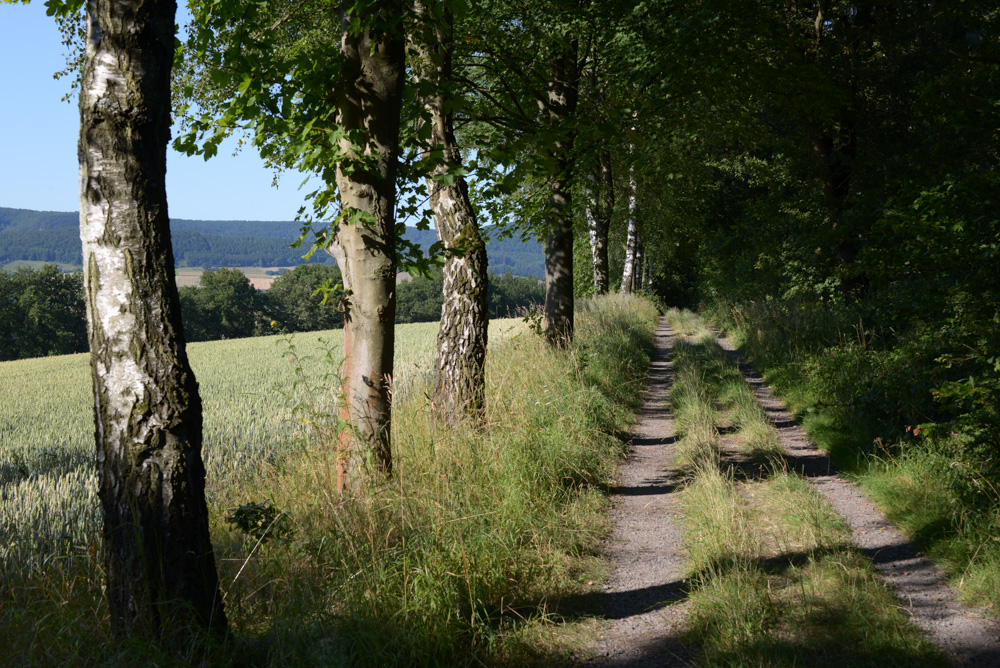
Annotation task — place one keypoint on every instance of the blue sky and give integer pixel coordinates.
(38, 135)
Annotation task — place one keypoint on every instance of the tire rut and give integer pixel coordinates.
(967, 637)
(643, 600)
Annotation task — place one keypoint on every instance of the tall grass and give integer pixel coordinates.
(860, 400)
(775, 581)
(452, 562)
(48, 485)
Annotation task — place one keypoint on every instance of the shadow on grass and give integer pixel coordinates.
(817, 633)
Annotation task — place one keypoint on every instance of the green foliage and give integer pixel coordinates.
(512, 295)
(261, 522)
(296, 305)
(275, 76)
(41, 313)
(420, 300)
(225, 306)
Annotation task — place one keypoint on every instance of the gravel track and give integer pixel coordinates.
(968, 637)
(643, 599)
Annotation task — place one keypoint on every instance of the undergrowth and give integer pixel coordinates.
(868, 398)
(774, 580)
(452, 562)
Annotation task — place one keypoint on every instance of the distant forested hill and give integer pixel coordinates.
(52, 236)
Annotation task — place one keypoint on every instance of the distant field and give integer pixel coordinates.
(186, 276)
(258, 276)
(36, 265)
(48, 498)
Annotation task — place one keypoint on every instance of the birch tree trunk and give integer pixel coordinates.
(600, 208)
(640, 264)
(632, 237)
(560, 106)
(369, 98)
(157, 555)
(460, 365)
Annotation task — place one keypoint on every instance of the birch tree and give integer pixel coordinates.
(460, 365)
(157, 555)
(632, 237)
(600, 208)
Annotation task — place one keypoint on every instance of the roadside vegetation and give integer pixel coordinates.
(449, 563)
(774, 579)
(897, 416)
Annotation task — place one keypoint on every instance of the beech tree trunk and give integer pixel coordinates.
(560, 105)
(631, 239)
(600, 208)
(460, 365)
(368, 99)
(158, 559)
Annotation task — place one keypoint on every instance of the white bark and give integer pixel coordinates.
(632, 238)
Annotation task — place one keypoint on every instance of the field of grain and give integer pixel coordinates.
(48, 497)
(259, 277)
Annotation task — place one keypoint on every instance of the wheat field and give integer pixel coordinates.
(48, 485)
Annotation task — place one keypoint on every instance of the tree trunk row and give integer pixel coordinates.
(600, 208)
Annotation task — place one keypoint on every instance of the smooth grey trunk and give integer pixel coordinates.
(460, 365)
(157, 555)
(600, 208)
(368, 99)
(632, 237)
(560, 106)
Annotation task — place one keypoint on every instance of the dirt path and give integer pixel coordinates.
(643, 598)
(967, 637)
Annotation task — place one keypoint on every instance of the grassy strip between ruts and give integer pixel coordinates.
(774, 578)
(451, 563)
(937, 488)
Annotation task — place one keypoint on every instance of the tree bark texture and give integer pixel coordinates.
(560, 106)
(460, 364)
(631, 238)
(600, 208)
(640, 264)
(368, 98)
(158, 559)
